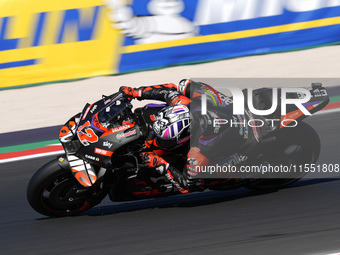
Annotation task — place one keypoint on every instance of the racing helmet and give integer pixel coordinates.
(172, 126)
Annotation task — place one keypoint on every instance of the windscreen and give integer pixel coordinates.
(111, 111)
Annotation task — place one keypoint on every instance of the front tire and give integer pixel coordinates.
(49, 192)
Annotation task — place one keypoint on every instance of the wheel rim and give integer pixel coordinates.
(54, 197)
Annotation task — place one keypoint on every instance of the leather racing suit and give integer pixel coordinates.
(189, 93)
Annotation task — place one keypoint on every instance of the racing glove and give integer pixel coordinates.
(131, 92)
(152, 160)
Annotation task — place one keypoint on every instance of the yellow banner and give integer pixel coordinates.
(43, 41)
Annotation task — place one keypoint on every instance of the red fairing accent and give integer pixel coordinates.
(86, 112)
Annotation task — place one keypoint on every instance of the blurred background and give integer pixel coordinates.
(151, 42)
(57, 55)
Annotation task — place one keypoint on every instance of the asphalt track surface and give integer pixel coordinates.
(301, 219)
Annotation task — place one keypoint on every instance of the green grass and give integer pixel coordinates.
(27, 146)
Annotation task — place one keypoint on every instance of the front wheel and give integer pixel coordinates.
(53, 191)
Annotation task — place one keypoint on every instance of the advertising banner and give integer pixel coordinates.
(44, 41)
(163, 33)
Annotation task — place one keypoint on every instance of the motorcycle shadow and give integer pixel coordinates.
(193, 199)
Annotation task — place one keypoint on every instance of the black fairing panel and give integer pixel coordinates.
(106, 146)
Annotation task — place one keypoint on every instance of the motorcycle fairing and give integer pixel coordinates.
(82, 171)
(90, 138)
(318, 101)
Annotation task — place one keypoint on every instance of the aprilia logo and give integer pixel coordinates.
(320, 93)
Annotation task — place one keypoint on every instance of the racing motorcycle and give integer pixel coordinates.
(102, 144)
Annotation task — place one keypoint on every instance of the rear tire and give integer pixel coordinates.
(298, 146)
(48, 192)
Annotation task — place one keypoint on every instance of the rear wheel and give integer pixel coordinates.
(53, 191)
(294, 146)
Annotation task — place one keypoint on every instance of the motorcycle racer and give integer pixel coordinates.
(172, 125)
